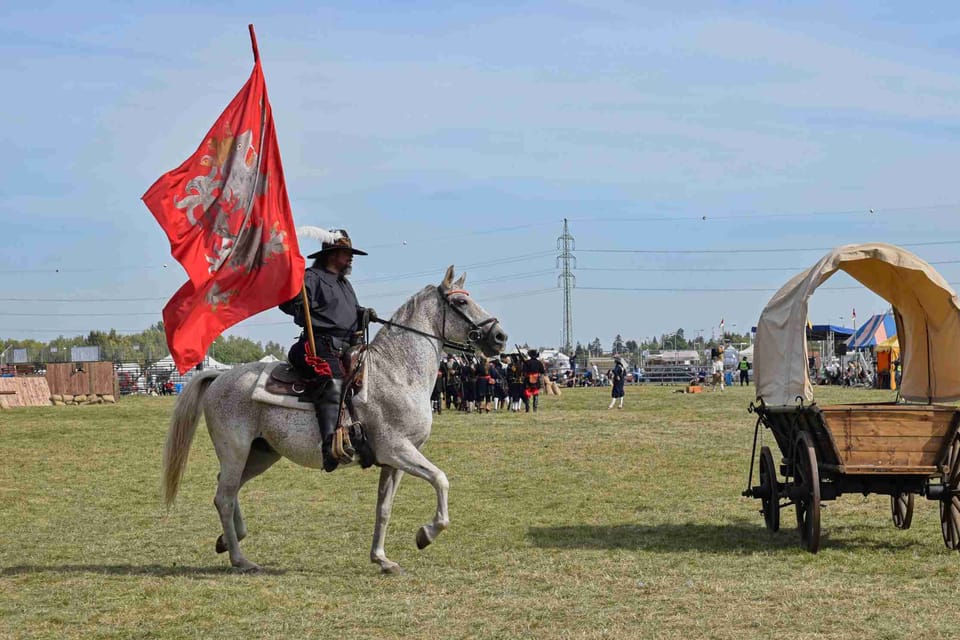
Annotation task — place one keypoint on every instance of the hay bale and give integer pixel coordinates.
(57, 397)
(58, 403)
(109, 399)
(67, 398)
(80, 399)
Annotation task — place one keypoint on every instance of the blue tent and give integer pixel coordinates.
(822, 332)
(877, 329)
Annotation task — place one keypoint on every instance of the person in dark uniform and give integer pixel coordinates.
(498, 375)
(484, 386)
(533, 372)
(338, 321)
(436, 397)
(451, 382)
(515, 381)
(618, 376)
(468, 386)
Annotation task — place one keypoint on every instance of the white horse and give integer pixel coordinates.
(402, 363)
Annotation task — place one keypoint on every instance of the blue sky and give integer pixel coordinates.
(469, 131)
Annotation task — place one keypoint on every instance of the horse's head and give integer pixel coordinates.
(466, 321)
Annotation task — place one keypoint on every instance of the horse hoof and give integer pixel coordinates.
(221, 545)
(247, 567)
(392, 569)
(422, 539)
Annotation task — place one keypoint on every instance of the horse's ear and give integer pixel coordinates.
(448, 279)
(459, 283)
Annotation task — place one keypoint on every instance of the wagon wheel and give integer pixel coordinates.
(901, 505)
(950, 502)
(770, 496)
(806, 481)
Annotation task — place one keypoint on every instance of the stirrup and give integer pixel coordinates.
(342, 448)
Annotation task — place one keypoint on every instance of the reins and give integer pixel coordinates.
(474, 335)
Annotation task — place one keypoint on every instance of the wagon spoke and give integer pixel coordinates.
(950, 522)
(807, 480)
(901, 505)
(770, 500)
(953, 468)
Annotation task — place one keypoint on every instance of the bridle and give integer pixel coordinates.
(474, 335)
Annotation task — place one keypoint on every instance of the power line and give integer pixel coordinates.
(723, 269)
(476, 265)
(718, 290)
(84, 299)
(460, 236)
(732, 251)
(758, 215)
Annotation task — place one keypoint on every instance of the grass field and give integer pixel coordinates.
(577, 522)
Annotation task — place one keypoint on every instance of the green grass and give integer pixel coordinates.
(577, 522)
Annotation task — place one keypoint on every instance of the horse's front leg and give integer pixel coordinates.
(407, 458)
(389, 481)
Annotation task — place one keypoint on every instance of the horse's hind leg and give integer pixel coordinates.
(389, 481)
(230, 480)
(408, 459)
(258, 461)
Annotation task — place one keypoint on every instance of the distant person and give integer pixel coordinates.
(718, 372)
(533, 371)
(618, 377)
(436, 397)
(744, 368)
(514, 376)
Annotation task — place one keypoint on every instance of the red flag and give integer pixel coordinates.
(226, 213)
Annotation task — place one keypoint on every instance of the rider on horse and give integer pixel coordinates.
(338, 322)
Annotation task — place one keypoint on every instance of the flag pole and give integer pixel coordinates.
(253, 42)
(308, 325)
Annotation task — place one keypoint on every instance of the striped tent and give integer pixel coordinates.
(877, 329)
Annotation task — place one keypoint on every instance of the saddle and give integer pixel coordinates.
(284, 380)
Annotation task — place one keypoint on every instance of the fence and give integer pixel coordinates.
(82, 378)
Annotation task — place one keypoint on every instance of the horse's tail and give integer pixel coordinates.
(183, 424)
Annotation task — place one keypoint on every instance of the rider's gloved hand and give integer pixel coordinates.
(372, 315)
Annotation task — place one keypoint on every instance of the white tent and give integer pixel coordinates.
(927, 313)
(748, 353)
(208, 363)
(269, 358)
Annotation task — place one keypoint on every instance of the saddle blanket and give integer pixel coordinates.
(260, 393)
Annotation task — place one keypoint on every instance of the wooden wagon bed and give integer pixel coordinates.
(856, 439)
(900, 450)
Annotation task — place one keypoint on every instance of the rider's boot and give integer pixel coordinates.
(326, 400)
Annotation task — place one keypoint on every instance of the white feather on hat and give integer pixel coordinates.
(316, 233)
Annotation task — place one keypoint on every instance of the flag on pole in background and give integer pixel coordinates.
(226, 213)
(721, 324)
(854, 314)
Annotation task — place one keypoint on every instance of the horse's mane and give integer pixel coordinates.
(406, 311)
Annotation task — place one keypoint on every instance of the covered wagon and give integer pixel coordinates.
(903, 448)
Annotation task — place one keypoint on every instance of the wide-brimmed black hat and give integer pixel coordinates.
(343, 242)
(533, 353)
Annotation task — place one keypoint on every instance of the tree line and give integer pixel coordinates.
(146, 347)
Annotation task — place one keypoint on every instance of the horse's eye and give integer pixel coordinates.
(460, 302)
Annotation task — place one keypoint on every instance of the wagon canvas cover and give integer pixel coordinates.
(927, 313)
